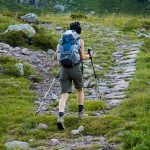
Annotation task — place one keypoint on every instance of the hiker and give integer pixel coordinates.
(71, 46)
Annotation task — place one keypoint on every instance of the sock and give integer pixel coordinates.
(80, 108)
(61, 114)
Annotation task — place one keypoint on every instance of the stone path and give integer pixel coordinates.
(111, 86)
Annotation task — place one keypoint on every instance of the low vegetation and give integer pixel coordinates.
(128, 124)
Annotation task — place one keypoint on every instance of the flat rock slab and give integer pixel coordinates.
(114, 102)
(115, 95)
(133, 52)
(120, 85)
(129, 61)
(17, 145)
(131, 56)
(123, 76)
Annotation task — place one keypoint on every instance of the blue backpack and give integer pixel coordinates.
(68, 52)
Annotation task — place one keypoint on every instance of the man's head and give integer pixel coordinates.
(76, 26)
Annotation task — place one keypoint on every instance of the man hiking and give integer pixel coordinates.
(70, 53)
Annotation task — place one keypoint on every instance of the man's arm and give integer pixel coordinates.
(83, 55)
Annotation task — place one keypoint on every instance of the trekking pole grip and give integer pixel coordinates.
(89, 52)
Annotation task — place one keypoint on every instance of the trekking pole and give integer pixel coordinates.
(89, 52)
(42, 102)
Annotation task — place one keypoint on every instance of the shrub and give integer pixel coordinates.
(14, 38)
(146, 24)
(78, 16)
(44, 41)
(132, 24)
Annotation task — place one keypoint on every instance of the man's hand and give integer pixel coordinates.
(91, 53)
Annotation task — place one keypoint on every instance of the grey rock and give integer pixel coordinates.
(26, 28)
(133, 52)
(44, 108)
(124, 76)
(141, 35)
(54, 142)
(58, 28)
(129, 61)
(19, 69)
(51, 52)
(4, 46)
(81, 128)
(16, 145)
(17, 49)
(86, 84)
(42, 126)
(31, 140)
(75, 132)
(115, 95)
(96, 114)
(59, 8)
(54, 97)
(30, 18)
(25, 51)
(114, 102)
(98, 68)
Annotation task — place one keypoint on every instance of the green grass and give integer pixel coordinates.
(136, 110)
(127, 124)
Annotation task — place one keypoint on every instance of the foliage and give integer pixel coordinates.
(132, 24)
(14, 38)
(146, 24)
(42, 40)
(78, 16)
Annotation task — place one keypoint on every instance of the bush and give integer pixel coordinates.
(44, 41)
(132, 24)
(78, 16)
(14, 38)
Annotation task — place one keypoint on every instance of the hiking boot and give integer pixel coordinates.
(82, 115)
(60, 123)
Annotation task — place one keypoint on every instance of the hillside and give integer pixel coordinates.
(121, 45)
(96, 6)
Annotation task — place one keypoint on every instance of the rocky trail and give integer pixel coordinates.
(111, 86)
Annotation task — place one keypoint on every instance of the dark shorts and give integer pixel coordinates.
(69, 75)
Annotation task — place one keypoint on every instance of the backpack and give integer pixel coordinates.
(68, 52)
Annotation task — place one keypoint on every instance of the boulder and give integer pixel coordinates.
(17, 145)
(26, 28)
(81, 128)
(20, 69)
(30, 18)
(75, 132)
(54, 142)
(42, 126)
(59, 8)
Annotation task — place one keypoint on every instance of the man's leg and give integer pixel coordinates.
(62, 104)
(80, 101)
